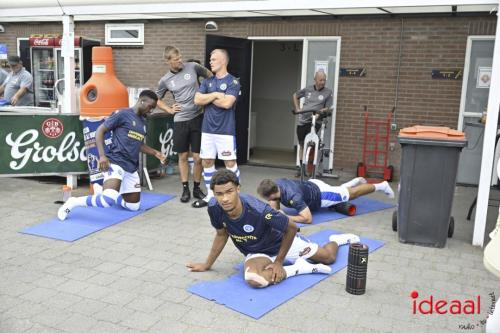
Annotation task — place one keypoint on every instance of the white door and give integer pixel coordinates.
(473, 103)
(323, 53)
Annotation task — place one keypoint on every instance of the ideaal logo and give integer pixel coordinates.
(431, 306)
(442, 306)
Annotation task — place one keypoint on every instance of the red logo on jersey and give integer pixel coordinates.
(52, 128)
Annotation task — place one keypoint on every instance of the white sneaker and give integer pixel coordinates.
(65, 209)
(388, 190)
(343, 239)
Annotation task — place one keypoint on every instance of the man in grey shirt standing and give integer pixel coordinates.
(182, 81)
(18, 87)
(316, 98)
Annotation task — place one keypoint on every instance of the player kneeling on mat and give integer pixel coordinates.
(266, 237)
(313, 194)
(121, 181)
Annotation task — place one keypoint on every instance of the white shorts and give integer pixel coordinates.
(331, 195)
(131, 182)
(301, 248)
(218, 145)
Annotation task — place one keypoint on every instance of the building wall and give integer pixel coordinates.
(427, 43)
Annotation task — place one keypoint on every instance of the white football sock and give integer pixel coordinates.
(106, 199)
(354, 182)
(236, 170)
(133, 206)
(191, 164)
(207, 176)
(385, 187)
(97, 188)
(343, 239)
(302, 266)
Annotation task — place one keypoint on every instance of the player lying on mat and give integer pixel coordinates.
(311, 195)
(265, 237)
(122, 185)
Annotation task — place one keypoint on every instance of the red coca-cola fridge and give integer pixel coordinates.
(47, 64)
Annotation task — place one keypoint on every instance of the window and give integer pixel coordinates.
(125, 34)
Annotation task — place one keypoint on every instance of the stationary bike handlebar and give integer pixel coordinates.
(324, 114)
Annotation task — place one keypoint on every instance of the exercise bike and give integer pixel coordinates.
(314, 152)
(314, 148)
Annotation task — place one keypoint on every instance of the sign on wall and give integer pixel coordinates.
(483, 77)
(353, 72)
(447, 74)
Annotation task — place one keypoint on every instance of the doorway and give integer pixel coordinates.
(277, 69)
(280, 67)
(240, 53)
(473, 103)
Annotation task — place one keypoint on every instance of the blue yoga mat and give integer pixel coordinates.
(364, 205)
(83, 221)
(235, 294)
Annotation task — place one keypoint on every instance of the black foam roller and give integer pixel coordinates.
(357, 265)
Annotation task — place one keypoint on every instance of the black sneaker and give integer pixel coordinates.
(199, 203)
(186, 195)
(198, 193)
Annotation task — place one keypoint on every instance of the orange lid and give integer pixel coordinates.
(431, 132)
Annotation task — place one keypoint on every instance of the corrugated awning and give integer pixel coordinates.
(51, 10)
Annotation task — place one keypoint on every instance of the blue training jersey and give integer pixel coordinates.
(218, 120)
(129, 131)
(259, 229)
(299, 194)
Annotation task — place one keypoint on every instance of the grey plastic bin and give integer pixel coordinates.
(429, 163)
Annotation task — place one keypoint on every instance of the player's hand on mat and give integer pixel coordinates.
(197, 267)
(103, 163)
(176, 107)
(278, 272)
(161, 157)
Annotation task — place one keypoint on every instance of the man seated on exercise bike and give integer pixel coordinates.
(318, 98)
(311, 195)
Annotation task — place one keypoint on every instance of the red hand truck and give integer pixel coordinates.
(376, 150)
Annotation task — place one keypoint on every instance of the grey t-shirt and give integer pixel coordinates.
(183, 85)
(16, 81)
(313, 100)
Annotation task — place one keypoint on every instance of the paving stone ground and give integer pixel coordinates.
(131, 277)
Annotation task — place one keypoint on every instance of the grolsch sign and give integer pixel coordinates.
(36, 144)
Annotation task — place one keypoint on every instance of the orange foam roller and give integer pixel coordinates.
(103, 93)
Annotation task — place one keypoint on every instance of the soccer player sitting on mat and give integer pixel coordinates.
(313, 194)
(122, 185)
(266, 237)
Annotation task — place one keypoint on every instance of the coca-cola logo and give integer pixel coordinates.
(41, 42)
(26, 148)
(52, 128)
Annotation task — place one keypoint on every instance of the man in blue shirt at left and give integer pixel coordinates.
(218, 94)
(121, 181)
(264, 236)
